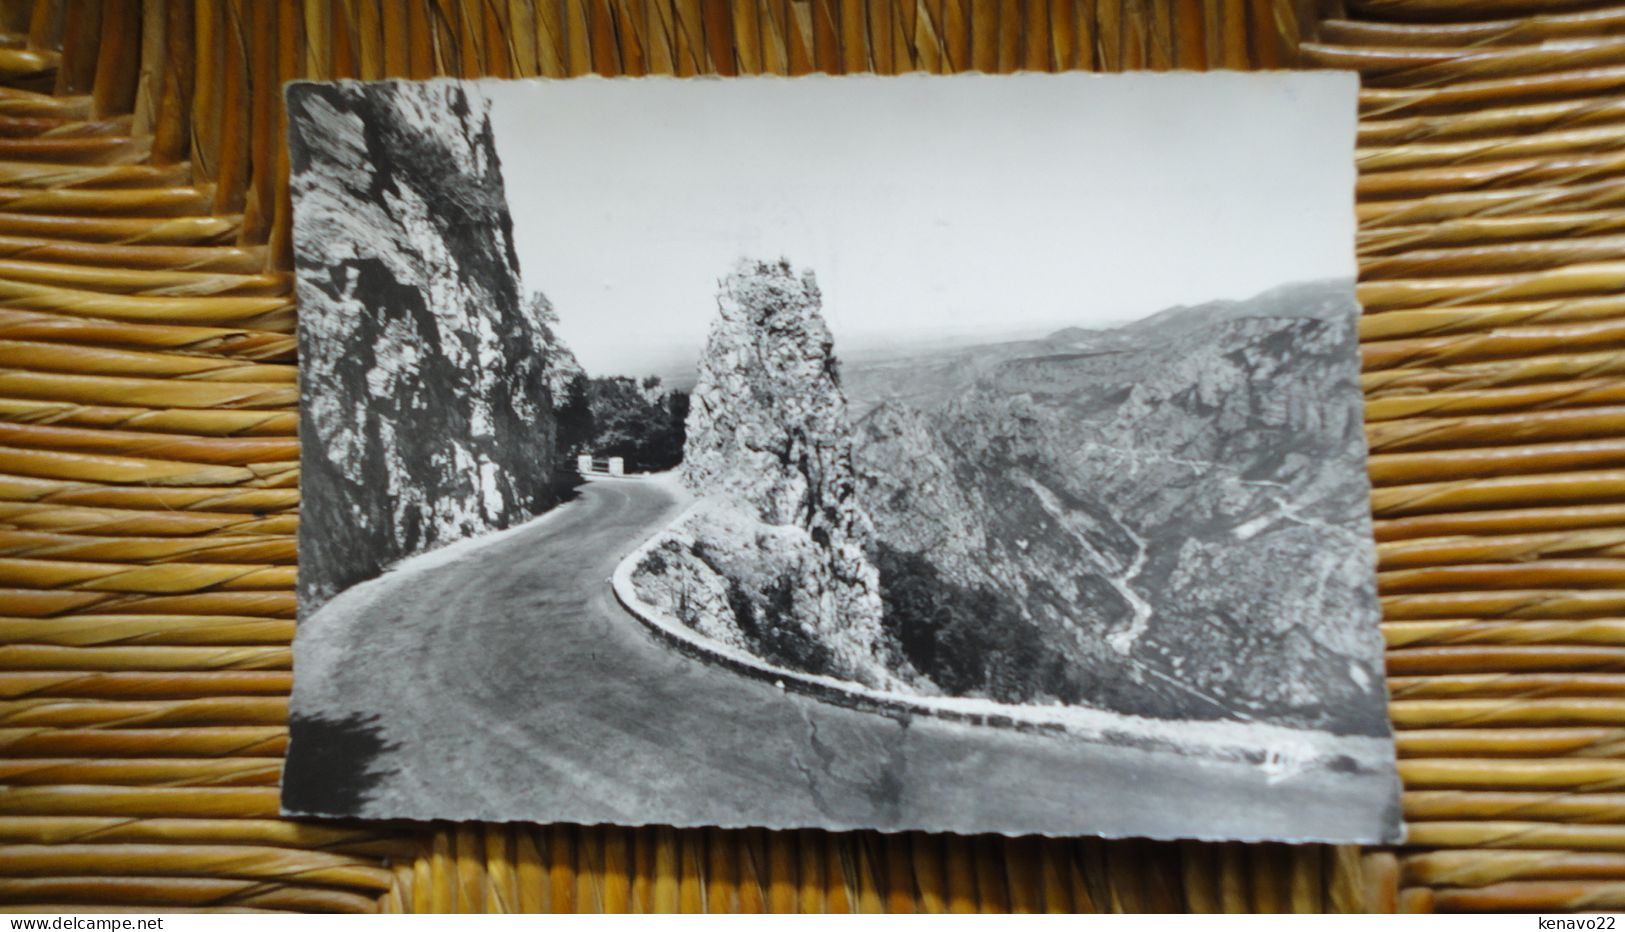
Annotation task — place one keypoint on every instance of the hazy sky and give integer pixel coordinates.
(928, 207)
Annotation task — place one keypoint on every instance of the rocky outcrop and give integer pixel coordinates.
(1169, 518)
(426, 412)
(562, 367)
(772, 560)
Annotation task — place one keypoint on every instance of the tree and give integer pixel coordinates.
(572, 414)
(969, 640)
(619, 416)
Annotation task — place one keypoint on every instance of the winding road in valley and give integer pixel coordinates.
(499, 679)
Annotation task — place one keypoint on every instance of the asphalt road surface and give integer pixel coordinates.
(502, 682)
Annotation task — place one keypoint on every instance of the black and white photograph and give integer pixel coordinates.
(976, 454)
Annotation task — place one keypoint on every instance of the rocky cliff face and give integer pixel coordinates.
(561, 364)
(1169, 518)
(426, 413)
(773, 560)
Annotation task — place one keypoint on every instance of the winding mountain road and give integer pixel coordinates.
(499, 680)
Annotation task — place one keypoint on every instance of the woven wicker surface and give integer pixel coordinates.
(148, 460)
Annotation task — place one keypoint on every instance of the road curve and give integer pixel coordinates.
(501, 681)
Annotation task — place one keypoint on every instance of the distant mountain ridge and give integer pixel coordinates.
(1321, 299)
(870, 378)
